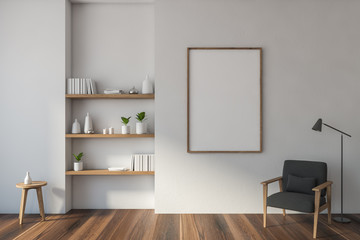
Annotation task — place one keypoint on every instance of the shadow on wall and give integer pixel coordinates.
(59, 193)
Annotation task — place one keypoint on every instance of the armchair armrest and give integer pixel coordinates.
(322, 186)
(271, 180)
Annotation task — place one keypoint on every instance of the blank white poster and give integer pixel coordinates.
(224, 100)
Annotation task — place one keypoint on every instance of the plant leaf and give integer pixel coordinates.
(125, 120)
(140, 116)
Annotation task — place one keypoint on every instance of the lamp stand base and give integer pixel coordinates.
(341, 220)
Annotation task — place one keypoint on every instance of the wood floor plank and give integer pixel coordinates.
(146, 225)
(10, 227)
(341, 230)
(94, 225)
(167, 226)
(57, 226)
(255, 225)
(219, 230)
(109, 232)
(188, 227)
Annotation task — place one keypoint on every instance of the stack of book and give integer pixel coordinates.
(81, 86)
(142, 162)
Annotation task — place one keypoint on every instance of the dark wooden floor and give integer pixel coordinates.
(144, 224)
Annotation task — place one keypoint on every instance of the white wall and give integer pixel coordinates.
(32, 106)
(114, 45)
(310, 70)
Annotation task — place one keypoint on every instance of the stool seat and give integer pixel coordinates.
(25, 188)
(34, 184)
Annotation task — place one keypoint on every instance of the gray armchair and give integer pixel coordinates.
(303, 187)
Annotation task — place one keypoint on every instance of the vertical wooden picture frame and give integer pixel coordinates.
(224, 100)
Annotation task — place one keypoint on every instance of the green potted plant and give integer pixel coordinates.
(125, 129)
(78, 165)
(141, 125)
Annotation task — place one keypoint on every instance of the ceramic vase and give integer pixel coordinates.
(88, 124)
(141, 128)
(147, 87)
(76, 127)
(125, 129)
(27, 179)
(78, 166)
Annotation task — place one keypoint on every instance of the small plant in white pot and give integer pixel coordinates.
(141, 125)
(125, 129)
(78, 165)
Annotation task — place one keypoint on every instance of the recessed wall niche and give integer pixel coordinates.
(112, 44)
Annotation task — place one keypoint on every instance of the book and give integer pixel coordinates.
(132, 163)
(136, 163)
(68, 86)
(94, 88)
(141, 163)
(91, 86)
(146, 162)
(77, 86)
(84, 86)
(88, 89)
(152, 163)
(72, 86)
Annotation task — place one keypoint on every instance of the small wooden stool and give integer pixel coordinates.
(25, 187)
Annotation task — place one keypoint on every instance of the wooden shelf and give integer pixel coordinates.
(149, 135)
(105, 172)
(110, 96)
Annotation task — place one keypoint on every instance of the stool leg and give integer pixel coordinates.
(22, 204)
(41, 203)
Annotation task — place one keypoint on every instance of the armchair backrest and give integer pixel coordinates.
(305, 169)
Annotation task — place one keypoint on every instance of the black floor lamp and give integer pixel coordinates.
(317, 127)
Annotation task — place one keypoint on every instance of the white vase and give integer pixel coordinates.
(88, 124)
(141, 128)
(147, 87)
(78, 166)
(76, 127)
(125, 129)
(27, 179)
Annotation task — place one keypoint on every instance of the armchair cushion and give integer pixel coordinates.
(300, 184)
(294, 201)
(305, 169)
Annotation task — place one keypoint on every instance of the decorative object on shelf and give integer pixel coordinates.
(125, 129)
(105, 131)
(76, 127)
(113, 91)
(133, 91)
(111, 130)
(147, 87)
(88, 128)
(78, 165)
(28, 179)
(118, 169)
(141, 125)
(318, 127)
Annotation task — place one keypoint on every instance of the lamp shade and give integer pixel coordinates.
(318, 125)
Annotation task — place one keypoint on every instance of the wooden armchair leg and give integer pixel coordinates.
(281, 189)
(316, 212)
(328, 199)
(265, 189)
